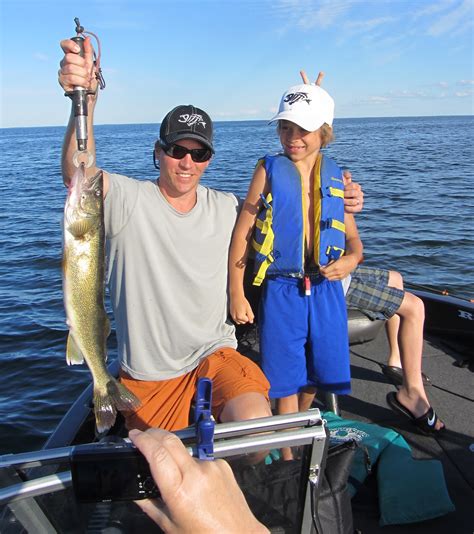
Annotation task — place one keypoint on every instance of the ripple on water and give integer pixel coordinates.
(417, 175)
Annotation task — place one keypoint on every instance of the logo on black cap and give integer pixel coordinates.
(187, 122)
(192, 119)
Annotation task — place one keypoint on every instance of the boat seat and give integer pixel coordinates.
(362, 329)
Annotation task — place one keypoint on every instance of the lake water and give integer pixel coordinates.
(417, 175)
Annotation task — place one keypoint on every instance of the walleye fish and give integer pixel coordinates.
(83, 288)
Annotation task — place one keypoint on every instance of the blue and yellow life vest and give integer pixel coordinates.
(279, 237)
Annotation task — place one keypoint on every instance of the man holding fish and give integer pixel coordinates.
(167, 246)
(167, 243)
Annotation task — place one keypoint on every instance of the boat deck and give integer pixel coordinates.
(451, 394)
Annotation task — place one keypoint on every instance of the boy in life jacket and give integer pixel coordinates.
(380, 294)
(293, 217)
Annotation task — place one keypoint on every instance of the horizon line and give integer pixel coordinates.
(244, 120)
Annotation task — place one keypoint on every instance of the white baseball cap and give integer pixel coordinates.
(306, 105)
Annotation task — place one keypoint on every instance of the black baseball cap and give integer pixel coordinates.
(187, 122)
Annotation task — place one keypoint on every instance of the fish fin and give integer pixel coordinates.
(124, 398)
(116, 397)
(73, 353)
(80, 227)
(104, 410)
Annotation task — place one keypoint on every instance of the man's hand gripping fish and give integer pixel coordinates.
(83, 285)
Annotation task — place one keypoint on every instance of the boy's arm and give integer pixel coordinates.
(342, 267)
(240, 309)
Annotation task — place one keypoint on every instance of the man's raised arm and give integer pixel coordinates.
(78, 71)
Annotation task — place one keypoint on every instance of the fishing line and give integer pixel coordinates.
(96, 69)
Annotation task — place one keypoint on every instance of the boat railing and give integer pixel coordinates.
(230, 440)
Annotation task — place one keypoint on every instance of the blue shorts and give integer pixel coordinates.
(304, 339)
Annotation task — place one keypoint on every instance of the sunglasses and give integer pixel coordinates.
(198, 155)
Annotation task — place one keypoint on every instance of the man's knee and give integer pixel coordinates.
(245, 406)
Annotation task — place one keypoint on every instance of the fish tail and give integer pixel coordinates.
(106, 403)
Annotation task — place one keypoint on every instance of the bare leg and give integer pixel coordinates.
(391, 328)
(245, 406)
(287, 405)
(410, 341)
(306, 398)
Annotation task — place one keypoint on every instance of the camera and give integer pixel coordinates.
(111, 471)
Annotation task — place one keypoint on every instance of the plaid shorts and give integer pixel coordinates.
(369, 292)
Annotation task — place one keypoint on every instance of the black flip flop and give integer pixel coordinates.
(395, 374)
(426, 423)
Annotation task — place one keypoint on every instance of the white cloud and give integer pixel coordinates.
(224, 114)
(366, 25)
(463, 94)
(404, 93)
(466, 82)
(308, 14)
(433, 8)
(40, 57)
(378, 99)
(454, 21)
(407, 94)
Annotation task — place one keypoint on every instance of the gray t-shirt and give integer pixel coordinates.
(167, 274)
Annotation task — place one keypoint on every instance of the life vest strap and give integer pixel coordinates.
(267, 202)
(266, 247)
(334, 253)
(262, 271)
(336, 192)
(263, 226)
(334, 223)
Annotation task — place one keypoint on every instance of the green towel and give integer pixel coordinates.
(409, 490)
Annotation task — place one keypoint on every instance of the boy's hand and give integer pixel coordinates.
(339, 269)
(353, 194)
(241, 311)
(305, 78)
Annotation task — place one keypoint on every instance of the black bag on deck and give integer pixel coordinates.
(333, 504)
(275, 493)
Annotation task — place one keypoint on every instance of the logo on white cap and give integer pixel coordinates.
(306, 105)
(291, 98)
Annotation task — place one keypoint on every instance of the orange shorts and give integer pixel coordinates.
(166, 403)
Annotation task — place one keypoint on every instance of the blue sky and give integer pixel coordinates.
(234, 58)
